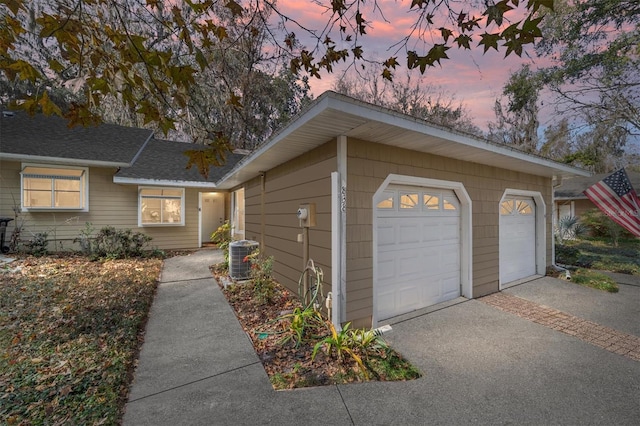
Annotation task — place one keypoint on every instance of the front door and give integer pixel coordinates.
(212, 213)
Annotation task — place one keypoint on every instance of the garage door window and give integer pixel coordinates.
(521, 207)
(388, 202)
(409, 200)
(450, 203)
(431, 202)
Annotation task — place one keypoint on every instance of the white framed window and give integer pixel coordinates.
(160, 206)
(237, 213)
(45, 187)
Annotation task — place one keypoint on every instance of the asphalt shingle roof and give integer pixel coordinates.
(166, 160)
(134, 150)
(50, 136)
(573, 187)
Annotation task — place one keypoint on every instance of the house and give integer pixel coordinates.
(569, 199)
(59, 178)
(399, 214)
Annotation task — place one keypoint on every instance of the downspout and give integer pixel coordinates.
(338, 234)
(555, 266)
(262, 209)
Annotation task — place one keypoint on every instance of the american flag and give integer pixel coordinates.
(615, 196)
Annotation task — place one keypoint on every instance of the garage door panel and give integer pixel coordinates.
(408, 233)
(386, 235)
(410, 267)
(517, 239)
(386, 267)
(418, 254)
(431, 290)
(409, 297)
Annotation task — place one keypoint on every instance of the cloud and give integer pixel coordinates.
(474, 78)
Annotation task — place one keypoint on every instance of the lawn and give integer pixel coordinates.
(587, 256)
(70, 331)
(600, 254)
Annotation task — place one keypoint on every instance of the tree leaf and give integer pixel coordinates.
(463, 40)
(235, 8)
(48, 106)
(534, 5)
(445, 33)
(489, 41)
(25, 70)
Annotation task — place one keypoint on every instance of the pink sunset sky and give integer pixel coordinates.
(473, 78)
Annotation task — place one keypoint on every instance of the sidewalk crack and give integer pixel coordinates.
(222, 373)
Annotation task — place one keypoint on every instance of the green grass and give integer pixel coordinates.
(600, 254)
(69, 336)
(594, 279)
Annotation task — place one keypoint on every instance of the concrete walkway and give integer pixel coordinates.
(480, 364)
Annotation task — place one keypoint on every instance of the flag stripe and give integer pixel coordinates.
(613, 209)
(606, 200)
(615, 196)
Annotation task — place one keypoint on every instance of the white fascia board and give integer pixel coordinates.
(348, 106)
(61, 161)
(392, 118)
(227, 181)
(577, 197)
(159, 182)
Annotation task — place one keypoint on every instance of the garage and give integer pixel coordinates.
(418, 248)
(517, 238)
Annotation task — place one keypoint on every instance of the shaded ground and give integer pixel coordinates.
(70, 330)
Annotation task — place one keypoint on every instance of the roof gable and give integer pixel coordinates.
(332, 115)
(48, 138)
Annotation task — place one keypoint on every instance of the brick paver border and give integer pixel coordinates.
(606, 338)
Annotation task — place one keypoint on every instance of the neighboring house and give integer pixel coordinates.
(407, 214)
(59, 178)
(569, 199)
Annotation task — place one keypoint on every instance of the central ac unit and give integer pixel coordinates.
(238, 251)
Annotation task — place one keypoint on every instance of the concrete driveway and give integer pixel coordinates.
(481, 364)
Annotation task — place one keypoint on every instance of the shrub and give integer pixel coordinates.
(567, 255)
(112, 243)
(37, 246)
(261, 270)
(602, 226)
(569, 228)
(222, 238)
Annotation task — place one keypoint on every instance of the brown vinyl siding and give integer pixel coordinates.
(306, 179)
(109, 205)
(369, 164)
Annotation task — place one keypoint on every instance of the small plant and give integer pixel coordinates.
(367, 341)
(569, 228)
(222, 238)
(260, 273)
(85, 239)
(38, 244)
(301, 321)
(341, 343)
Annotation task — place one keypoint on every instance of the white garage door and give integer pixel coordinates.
(517, 239)
(418, 249)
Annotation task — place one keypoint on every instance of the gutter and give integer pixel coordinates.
(61, 161)
(159, 182)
